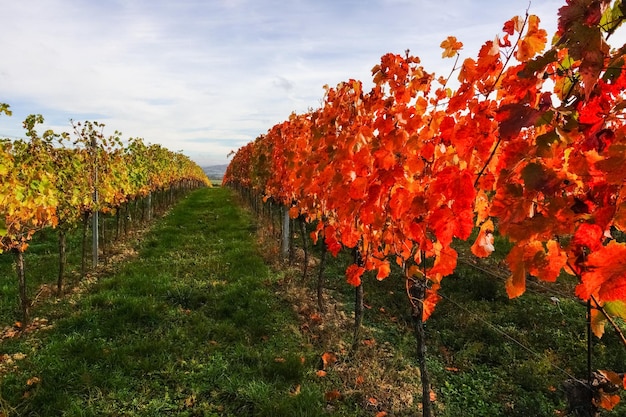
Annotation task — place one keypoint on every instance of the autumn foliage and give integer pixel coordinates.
(528, 136)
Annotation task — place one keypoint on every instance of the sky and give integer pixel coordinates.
(205, 77)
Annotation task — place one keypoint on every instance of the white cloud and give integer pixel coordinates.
(206, 77)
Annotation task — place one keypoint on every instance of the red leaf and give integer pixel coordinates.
(353, 274)
(515, 116)
(358, 188)
(331, 241)
(445, 263)
(513, 25)
(556, 261)
(589, 235)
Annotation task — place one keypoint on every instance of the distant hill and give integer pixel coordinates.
(215, 172)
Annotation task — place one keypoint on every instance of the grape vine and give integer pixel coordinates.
(530, 144)
(49, 180)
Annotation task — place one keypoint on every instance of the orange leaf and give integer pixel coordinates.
(516, 284)
(381, 414)
(315, 318)
(612, 377)
(481, 206)
(294, 212)
(383, 271)
(534, 41)
(332, 395)
(605, 274)
(483, 246)
(359, 380)
(606, 401)
(372, 401)
(450, 47)
(369, 342)
(32, 381)
(433, 396)
(321, 373)
(328, 358)
(431, 300)
(598, 320)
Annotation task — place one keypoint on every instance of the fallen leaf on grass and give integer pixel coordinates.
(32, 381)
(321, 373)
(190, 401)
(295, 390)
(333, 395)
(328, 358)
(316, 318)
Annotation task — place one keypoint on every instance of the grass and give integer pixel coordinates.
(199, 324)
(489, 355)
(189, 327)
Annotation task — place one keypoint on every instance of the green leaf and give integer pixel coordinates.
(4, 108)
(616, 308)
(612, 18)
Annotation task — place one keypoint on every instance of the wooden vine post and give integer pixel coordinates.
(94, 218)
(286, 235)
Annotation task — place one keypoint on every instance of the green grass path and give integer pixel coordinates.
(190, 327)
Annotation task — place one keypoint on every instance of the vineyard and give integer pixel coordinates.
(420, 244)
(64, 181)
(523, 143)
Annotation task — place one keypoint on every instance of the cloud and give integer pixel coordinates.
(206, 77)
